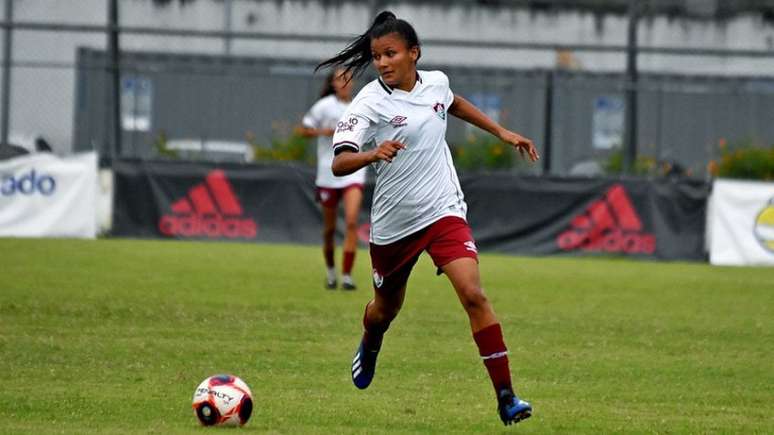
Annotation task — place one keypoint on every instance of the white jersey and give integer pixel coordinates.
(420, 186)
(325, 113)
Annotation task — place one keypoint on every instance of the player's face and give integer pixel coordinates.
(394, 60)
(342, 84)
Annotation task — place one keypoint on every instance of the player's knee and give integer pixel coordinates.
(474, 299)
(328, 233)
(383, 316)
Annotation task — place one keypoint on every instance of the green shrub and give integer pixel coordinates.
(160, 145)
(643, 165)
(745, 161)
(294, 148)
(484, 152)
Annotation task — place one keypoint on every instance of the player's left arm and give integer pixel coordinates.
(466, 111)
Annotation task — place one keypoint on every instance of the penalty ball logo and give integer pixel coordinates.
(764, 227)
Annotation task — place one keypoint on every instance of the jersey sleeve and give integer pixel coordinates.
(314, 117)
(449, 98)
(356, 128)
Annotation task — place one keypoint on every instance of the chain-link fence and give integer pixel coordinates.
(182, 96)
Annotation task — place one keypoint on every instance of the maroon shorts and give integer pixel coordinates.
(445, 240)
(330, 197)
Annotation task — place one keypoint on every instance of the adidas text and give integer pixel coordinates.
(215, 226)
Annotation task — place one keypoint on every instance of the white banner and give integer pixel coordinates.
(42, 195)
(741, 221)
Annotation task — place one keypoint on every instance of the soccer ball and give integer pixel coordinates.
(223, 400)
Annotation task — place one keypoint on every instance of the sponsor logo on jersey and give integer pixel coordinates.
(609, 224)
(27, 184)
(764, 227)
(348, 125)
(210, 209)
(440, 110)
(398, 121)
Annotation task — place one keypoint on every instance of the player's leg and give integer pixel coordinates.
(454, 252)
(487, 333)
(389, 293)
(466, 279)
(353, 197)
(329, 212)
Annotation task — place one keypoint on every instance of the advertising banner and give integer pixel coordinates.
(741, 223)
(660, 219)
(273, 203)
(663, 219)
(42, 195)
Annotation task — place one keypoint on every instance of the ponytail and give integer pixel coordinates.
(357, 55)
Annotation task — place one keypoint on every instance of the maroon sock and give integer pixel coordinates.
(373, 333)
(328, 253)
(349, 260)
(492, 350)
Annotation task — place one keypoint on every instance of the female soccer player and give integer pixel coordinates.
(397, 124)
(319, 122)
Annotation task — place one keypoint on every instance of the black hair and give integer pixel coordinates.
(357, 55)
(328, 88)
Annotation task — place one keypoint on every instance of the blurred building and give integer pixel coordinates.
(469, 34)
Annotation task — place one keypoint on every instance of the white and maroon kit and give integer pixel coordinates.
(419, 187)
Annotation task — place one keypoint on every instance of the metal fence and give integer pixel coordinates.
(170, 102)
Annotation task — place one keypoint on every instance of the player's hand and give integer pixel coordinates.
(521, 143)
(387, 150)
(326, 132)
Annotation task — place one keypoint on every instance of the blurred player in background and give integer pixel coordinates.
(397, 124)
(320, 122)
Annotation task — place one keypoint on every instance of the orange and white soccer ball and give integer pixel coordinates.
(223, 400)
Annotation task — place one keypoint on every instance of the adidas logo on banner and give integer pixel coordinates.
(209, 210)
(610, 224)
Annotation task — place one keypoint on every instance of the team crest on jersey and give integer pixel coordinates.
(398, 121)
(440, 110)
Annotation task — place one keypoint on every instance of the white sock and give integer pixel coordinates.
(346, 279)
(331, 274)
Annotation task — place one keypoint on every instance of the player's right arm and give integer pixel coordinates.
(348, 161)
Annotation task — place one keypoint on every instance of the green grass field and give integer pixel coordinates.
(112, 336)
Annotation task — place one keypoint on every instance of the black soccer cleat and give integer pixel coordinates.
(364, 366)
(511, 408)
(331, 284)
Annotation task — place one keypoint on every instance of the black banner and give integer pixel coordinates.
(661, 219)
(273, 203)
